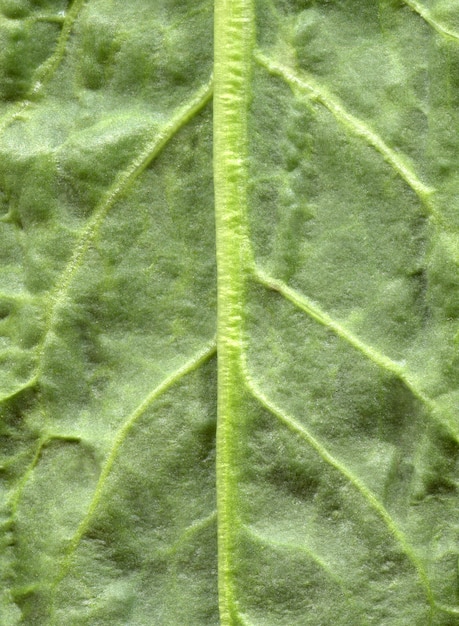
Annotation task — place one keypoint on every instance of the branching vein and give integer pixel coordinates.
(46, 71)
(28, 384)
(313, 310)
(195, 362)
(307, 84)
(319, 561)
(122, 183)
(354, 480)
(421, 10)
(194, 528)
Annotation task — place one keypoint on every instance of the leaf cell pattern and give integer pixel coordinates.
(284, 198)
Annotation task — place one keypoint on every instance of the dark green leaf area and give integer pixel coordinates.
(149, 53)
(29, 37)
(62, 166)
(87, 548)
(372, 56)
(46, 519)
(140, 310)
(107, 302)
(336, 461)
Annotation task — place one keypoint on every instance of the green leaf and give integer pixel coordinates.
(272, 181)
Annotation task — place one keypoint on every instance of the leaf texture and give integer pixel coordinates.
(273, 182)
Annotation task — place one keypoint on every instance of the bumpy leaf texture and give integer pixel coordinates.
(311, 475)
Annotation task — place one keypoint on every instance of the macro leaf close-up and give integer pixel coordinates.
(229, 312)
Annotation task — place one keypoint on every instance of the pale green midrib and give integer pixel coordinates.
(399, 162)
(319, 561)
(48, 68)
(423, 12)
(233, 45)
(201, 357)
(123, 182)
(384, 362)
(366, 493)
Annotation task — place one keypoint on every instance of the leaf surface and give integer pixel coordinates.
(272, 181)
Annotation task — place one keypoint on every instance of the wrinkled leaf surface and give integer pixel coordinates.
(275, 181)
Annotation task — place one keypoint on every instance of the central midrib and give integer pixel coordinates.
(234, 35)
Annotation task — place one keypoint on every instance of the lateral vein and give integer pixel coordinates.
(122, 183)
(319, 561)
(359, 485)
(203, 355)
(47, 69)
(421, 10)
(192, 529)
(398, 162)
(313, 310)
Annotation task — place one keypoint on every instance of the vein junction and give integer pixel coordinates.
(381, 360)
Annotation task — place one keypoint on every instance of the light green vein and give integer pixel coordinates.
(243, 621)
(42, 443)
(122, 183)
(46, 70)
(451, 610)
(21, 482)
(316, 313)
(285, 545)
(51, 18)
(18, 488)
(313, 310)
(367, 494)
(240, 618)
(28, 384)
(421, 10)
(191, 365)
(307, 84)
(234, 40)
(151, 151)
(189, 532)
